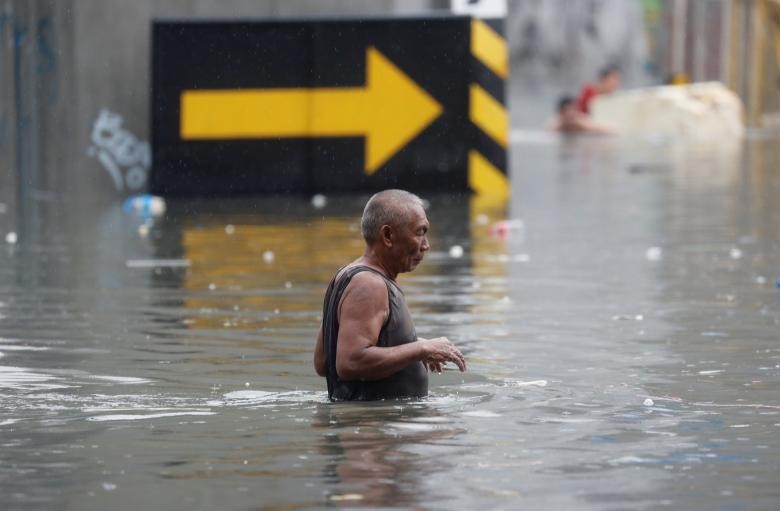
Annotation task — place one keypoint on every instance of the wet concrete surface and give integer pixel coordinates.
(623, 339)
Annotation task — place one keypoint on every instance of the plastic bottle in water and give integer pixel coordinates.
(145, 205)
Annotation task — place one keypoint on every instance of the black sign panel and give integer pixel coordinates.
(310, 106)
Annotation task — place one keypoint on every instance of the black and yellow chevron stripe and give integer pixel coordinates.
(487, 109)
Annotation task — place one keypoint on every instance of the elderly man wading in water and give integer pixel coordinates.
(367, 347)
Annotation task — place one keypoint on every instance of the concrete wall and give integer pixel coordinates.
(66, 63)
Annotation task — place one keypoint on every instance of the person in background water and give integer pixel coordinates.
(367, 347)
(571, 120)
(610, 79)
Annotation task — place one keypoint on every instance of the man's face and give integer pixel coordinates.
(411, 241)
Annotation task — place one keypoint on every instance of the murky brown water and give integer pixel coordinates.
(623, 344)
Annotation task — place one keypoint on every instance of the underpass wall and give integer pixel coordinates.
(75, 85)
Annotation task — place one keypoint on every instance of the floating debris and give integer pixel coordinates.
(654, 254)
(319, 201)
(504, 228)
(11, 238)
(158, 263)
(627, 317)
(145, 205)
(456, 251)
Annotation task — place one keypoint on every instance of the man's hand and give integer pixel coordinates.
(438, 351)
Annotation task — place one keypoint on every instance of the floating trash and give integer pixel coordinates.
(268, 256)
(230, 229)
(11, 238)
(456, 251)
(648, 402)
(654, 254)
(158, 263)
(145, 205)
(735, 253)
(504, 228)
(319, 201)
(628, 317)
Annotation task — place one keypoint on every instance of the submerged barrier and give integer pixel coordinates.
(328, 106)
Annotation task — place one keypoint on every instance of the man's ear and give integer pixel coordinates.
(386, 233)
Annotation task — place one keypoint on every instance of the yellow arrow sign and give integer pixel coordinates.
(389, 112)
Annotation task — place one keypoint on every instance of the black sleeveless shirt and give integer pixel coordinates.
(411, 381)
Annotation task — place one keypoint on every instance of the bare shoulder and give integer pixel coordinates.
(366, 294)
(367, 284)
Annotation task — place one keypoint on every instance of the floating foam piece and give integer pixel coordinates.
(319, 201)
(158, 263)
(700, 112)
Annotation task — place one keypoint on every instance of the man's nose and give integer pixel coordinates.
(425, 245)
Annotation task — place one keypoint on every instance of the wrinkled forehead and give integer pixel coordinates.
(417, 215)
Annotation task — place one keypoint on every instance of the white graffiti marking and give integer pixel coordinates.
(125, 158)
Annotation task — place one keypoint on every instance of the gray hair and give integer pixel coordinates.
(388, 207)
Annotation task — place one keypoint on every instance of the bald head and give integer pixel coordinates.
(389, 207)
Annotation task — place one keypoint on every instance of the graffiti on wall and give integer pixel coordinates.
(126, 158)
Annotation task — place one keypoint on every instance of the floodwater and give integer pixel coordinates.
(622, 332)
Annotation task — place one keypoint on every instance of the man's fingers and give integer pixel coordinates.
(459, 360)
(444, 351)
(460, 363)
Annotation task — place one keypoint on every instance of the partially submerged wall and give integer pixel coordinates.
(74, 88)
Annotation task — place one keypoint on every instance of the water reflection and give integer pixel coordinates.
(376, 452)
